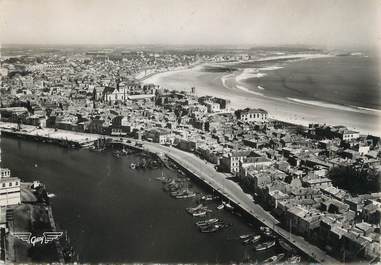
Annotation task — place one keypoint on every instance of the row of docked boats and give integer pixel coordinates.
(178, 188)
(144, 163)
(211, 225)
(198, 211)
(250, 238)
(276, 259)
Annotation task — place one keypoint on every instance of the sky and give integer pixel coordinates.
(328, 23)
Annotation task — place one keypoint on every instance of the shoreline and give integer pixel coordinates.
(290, 110)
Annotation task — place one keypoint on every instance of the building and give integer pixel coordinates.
(231, 162)
(252, 115)
(9, 188)
(212, 107)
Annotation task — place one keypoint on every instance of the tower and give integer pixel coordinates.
(193, 90)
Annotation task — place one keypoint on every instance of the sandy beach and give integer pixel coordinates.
(229, 85)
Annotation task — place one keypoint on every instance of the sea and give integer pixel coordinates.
(327, 89)
(352, 81)
(115, 214)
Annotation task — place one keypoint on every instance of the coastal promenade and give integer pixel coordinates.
(216, 180)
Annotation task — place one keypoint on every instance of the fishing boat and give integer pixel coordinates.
(255, 239)
(228, 205)
(133, 166)
(211, 229)
(198, 213)
(51, 195)
(246, 236)
(265, 245)
(251, 240)
(207, 222)
(209, 197)
(193, 209)
(116, 154)
(274, 259)
(285, 246)
(124, 152)
(294, 259)
(265, 230)
(219, 223)
(220, 207)
(187, 194)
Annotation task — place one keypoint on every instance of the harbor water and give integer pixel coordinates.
(117, 214)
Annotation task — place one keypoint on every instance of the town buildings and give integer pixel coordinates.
(289, 169)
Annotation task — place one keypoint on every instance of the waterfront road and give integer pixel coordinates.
(233, 192)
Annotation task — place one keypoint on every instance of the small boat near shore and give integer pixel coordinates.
(208, 197)
(285, 245)
(220, 207)
(245, 236)
(193, 209)
(228, 206)
(207, 222)
(187, 194)
(212, 228)
(294, 260)
(266, 231)
(51, 195)
(251, 240)
(274, 259)
(265, 245)
(160, 178)
(199, 213)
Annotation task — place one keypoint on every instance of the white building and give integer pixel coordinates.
(9, 188)
(252, 115)
(212, 106)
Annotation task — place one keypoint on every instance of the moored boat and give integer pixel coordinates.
(266, 230)
(212, 228)
(251, 240)
(274, 259)
(285, 245)
(246, 236)
(192, 209)
(220, 207)
(265, 245)
(207, 222)
(294, 260)
(198, 213)
(228, 206)
(255, 239)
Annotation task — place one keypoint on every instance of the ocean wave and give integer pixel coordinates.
(224, 79)
(248, 73)
(270, 68)
(368, 109)
(333, 106)
(248, 90)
